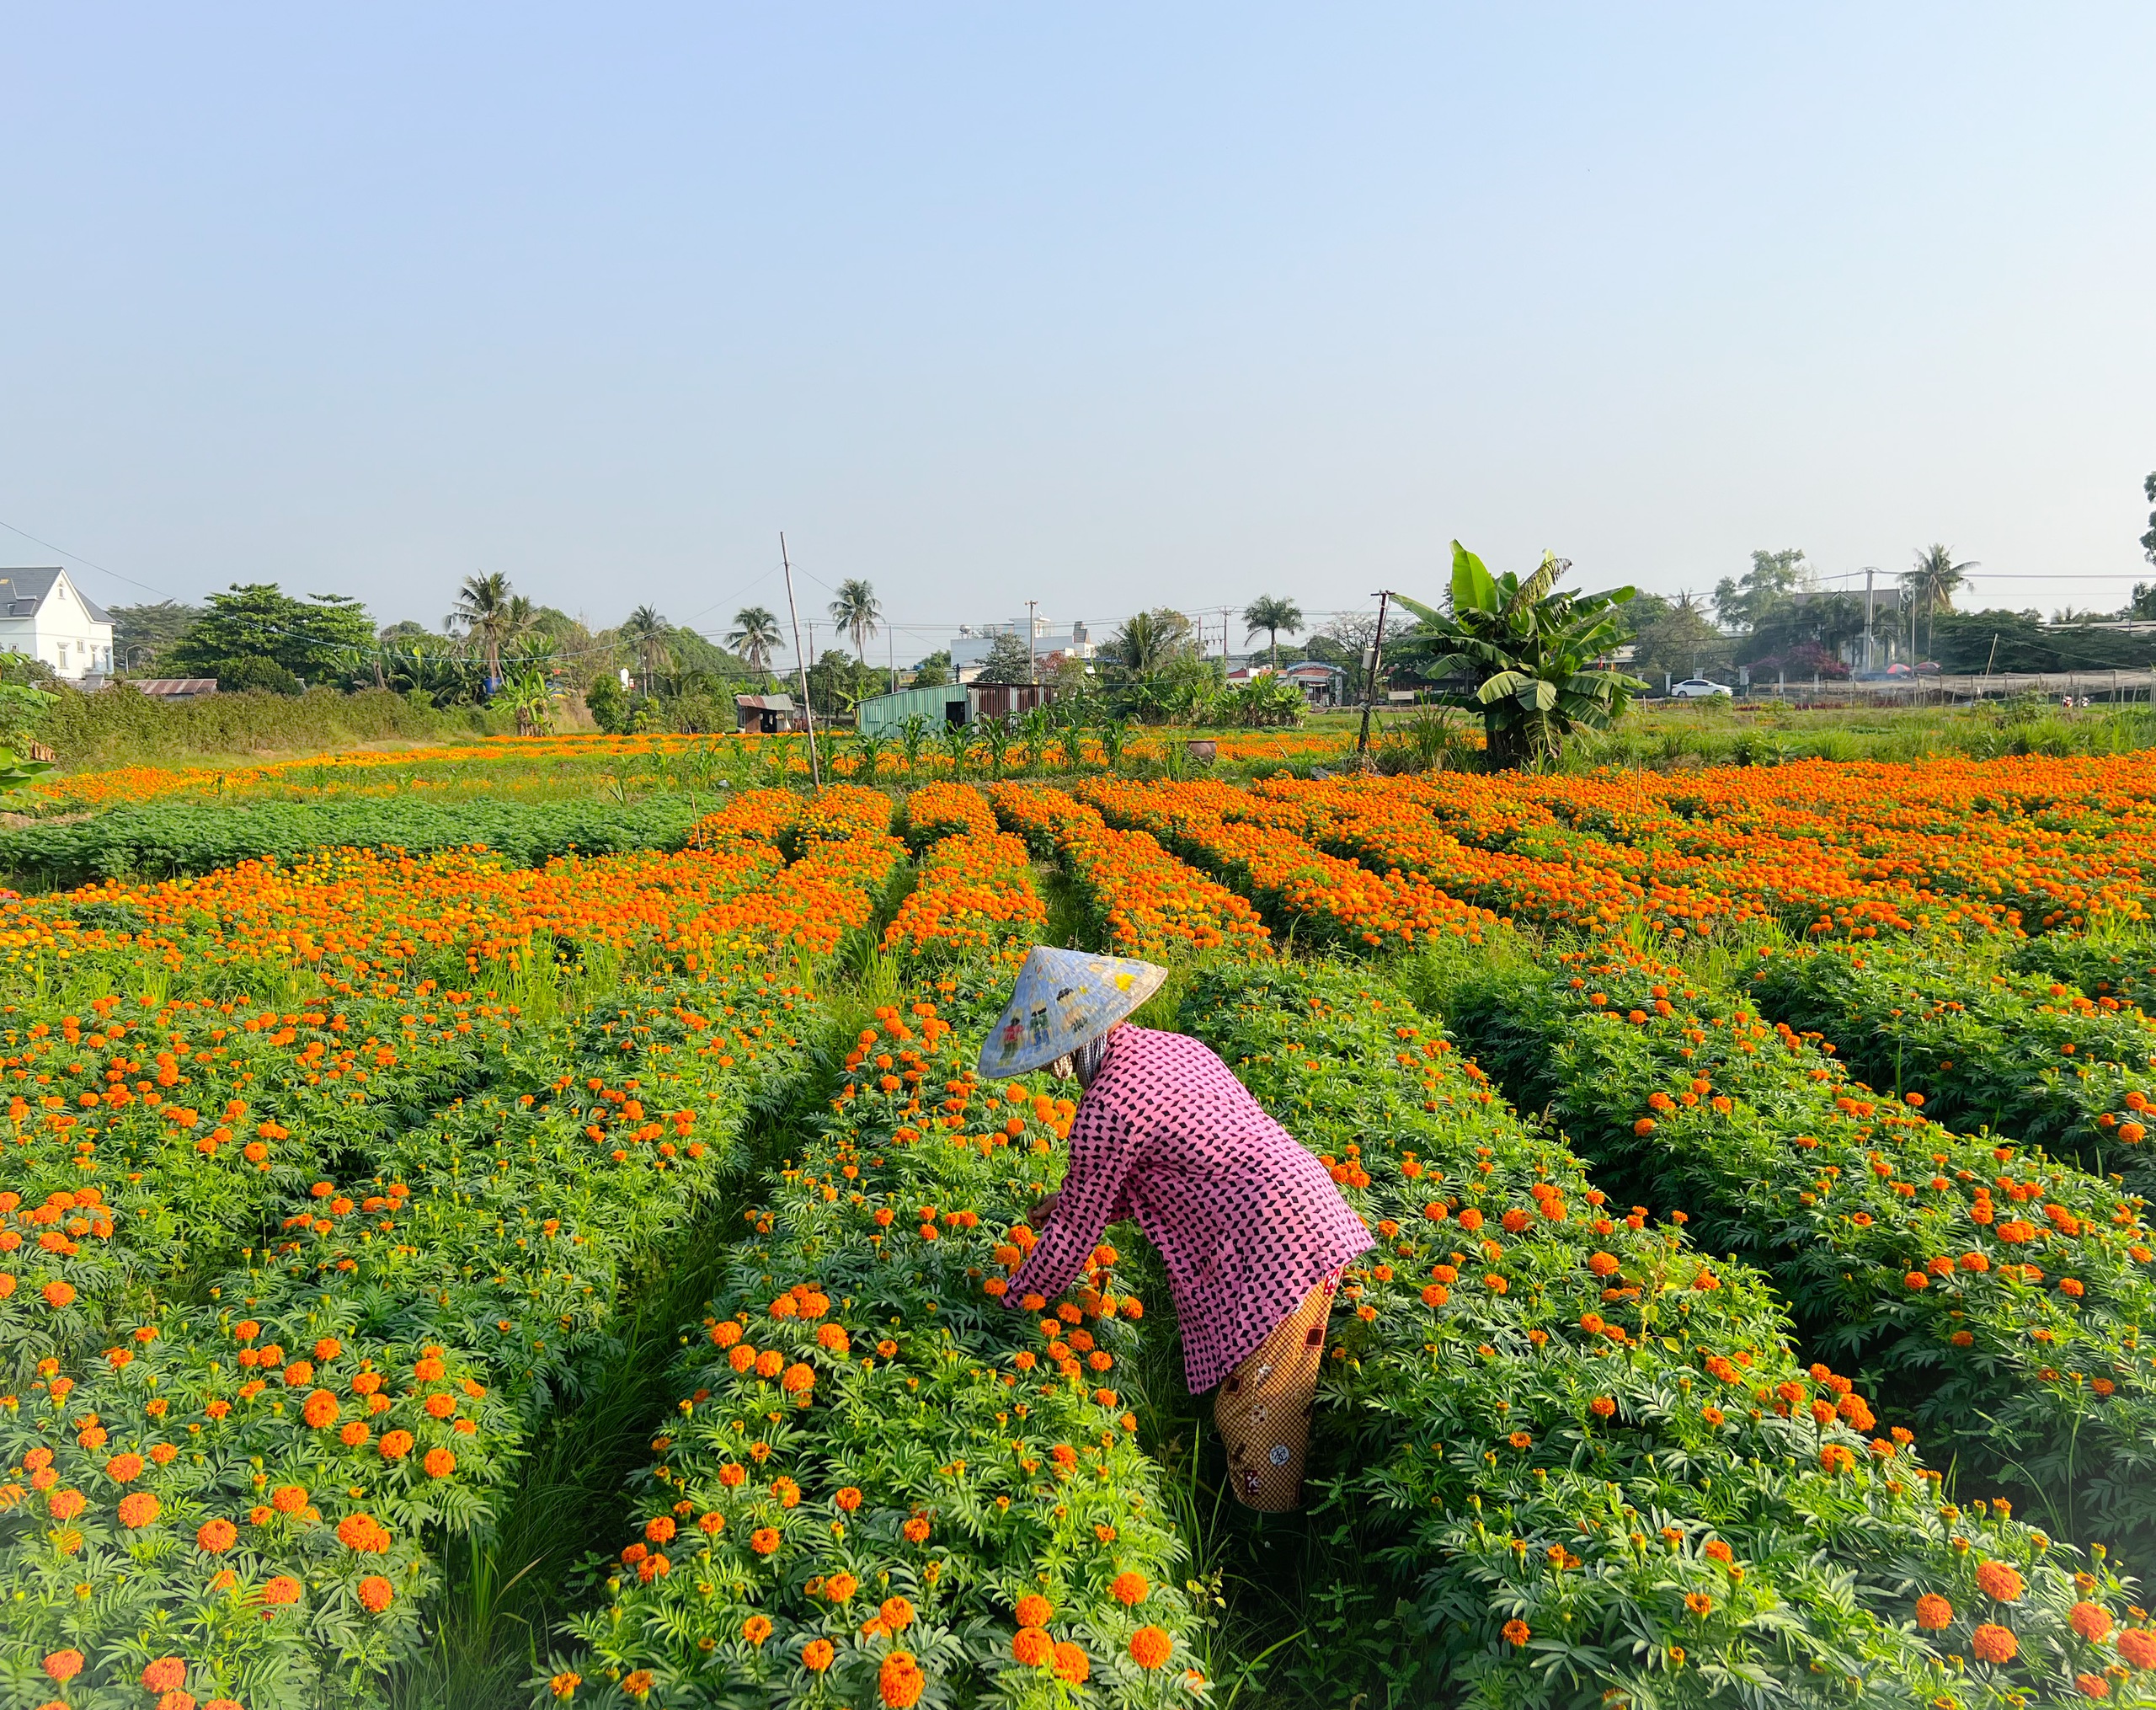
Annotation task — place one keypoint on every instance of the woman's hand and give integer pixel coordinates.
(1041, 1214)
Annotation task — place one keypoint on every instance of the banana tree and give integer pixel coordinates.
(1527, 659)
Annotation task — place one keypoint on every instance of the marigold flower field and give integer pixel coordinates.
(1758, 1161)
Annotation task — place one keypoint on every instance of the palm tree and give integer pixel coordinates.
(486, 611)
(646, 632)
(1147, 641)
(1273, 614)
(1528, 656)
(756, 636)
(1931, 585)
(856, 611)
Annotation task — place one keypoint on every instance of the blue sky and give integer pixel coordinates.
(1103, 306)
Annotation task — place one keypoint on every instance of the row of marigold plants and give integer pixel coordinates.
(1586, 1448)
(883, 1482)
(1999, 1292)
(230, 1462)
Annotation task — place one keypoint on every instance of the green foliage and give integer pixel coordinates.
(310, 638)
(2149, 540)
(168, 838)
(1763, 591)
(1527, 656)
(1540, 1415)
(838, 683)
(141, 633)
(1843, 1194)
(23, 711)
(926, 1408)
(1010, 660)
(934, 671)
(2017, 641)
(119, 724)
(1272, 614)
(857, 612)
(2014, 1053)
(1673, 639)
(256, 674)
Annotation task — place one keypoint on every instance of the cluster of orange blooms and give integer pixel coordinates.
(1347, 901)
(1150, 903)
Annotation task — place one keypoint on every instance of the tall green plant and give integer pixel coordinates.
(1523, 656)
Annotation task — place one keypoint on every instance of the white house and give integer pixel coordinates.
(44, 615)
(969, 648)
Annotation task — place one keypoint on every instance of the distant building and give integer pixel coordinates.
(173, 688)
(1323, 685)
(767, 715)
(44, 616)
(970, 646)
(954, 704)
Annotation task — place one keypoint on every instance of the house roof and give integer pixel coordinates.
(171, 687)
(765, 703)
(22, 590)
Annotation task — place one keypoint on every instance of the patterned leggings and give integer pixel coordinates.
(1263, 1408)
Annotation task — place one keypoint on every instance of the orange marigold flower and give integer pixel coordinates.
(1129, 1589)
(818, 1655)
(165, 1674)
(1998, 1581)
(1034, 1611)
(374, 1594)
(900, 1682)
(1516, 1632)
(756, 1629)
(1934, 1613)
(848, 1499)
(2138, 1646)
(1150, 1648)
(1032, 1647)
(1993, 1643)
(2092, 1621)
(764, 1541)
(1072, 1663)
(395, 1445)
(215, 1536)
(138, 1509)
(894, 1612)
(915, 1531)
(63, 1665)
(439, 1463)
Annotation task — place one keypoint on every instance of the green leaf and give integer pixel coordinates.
(1472, 588)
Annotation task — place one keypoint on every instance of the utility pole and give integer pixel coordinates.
(1377, 660)
(801, 658)
(1870, 571)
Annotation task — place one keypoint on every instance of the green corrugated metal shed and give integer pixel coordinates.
(883, 715)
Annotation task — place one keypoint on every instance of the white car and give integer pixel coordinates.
(1698, 688)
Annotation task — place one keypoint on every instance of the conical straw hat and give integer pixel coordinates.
(1064, 998)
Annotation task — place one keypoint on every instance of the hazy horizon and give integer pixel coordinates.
(1108, 310)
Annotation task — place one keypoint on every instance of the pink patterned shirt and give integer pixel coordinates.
(1246, 1220)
